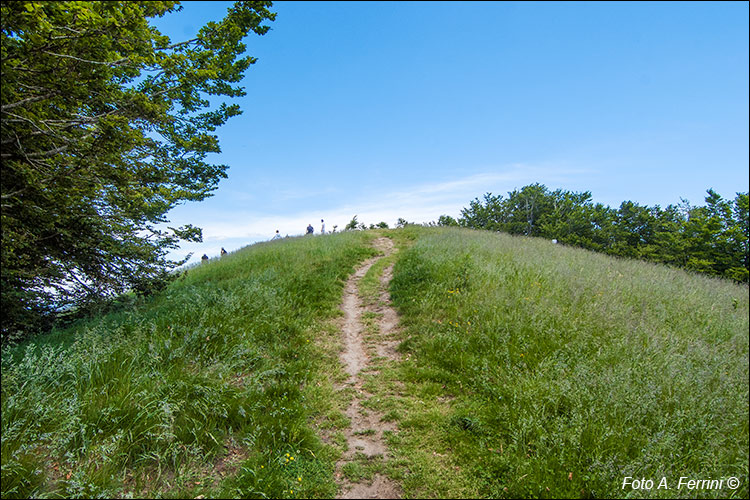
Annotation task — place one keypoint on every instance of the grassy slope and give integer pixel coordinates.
(210, 380)
(535, 370)
(529, 370)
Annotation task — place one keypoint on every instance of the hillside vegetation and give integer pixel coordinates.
(711, 239)
(545, 371)
(207, 389)
(528, 369)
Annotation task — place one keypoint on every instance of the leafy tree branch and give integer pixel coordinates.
(106, 125)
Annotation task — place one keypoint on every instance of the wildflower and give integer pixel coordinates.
(299, 479)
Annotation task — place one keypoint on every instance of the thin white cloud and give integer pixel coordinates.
(420, 203)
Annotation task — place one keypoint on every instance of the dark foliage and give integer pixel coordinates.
(710, 239)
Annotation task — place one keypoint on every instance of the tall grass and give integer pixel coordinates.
(566, 371)
(529, 370)
(201, 390)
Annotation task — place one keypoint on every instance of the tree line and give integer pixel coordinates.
(710, 239)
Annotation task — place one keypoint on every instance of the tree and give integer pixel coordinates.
(527, 208)
(352, 225)
(717, 236)
(668, 243)
(106, 125)
(401, 222)
(741, 234)
(489, 214)
(447, 220)
(569, 218)
(633, 229)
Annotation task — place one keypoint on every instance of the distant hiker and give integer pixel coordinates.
(276, 236)
(223, 252)
(204, 258)
(322, 227)
(309, 229)
(334, 228)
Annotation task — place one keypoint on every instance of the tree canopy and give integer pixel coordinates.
(106, 126)
(711, 239)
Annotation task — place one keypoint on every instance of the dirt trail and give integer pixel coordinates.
(365, 436)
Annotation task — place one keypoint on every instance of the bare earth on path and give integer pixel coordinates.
(365, 436)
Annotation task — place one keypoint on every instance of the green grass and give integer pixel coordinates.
(202, 390)
(545, 371)
(527, 370)
(362, 468)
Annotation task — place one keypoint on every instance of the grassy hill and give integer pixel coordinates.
(203, 390)
(545, 371)
(528, 370)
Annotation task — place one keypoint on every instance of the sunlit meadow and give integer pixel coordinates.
(202, 390)
(546, 371)
(527, 369)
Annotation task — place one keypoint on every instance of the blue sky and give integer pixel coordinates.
(413, 109)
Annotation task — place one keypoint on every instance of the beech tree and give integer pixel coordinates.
(106, 125)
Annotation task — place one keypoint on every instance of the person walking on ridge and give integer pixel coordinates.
(322, 227)
(309, 229)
